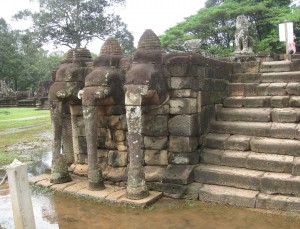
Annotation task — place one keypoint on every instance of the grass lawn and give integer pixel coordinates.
(20, 126)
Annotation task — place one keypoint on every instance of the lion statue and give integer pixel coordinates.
(243, 41)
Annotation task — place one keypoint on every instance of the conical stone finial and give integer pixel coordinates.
(149, 40)
(111, 47)
(79, 54)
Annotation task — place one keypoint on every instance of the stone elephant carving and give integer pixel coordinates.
(103, 87)
(69, 79)
(146, 83)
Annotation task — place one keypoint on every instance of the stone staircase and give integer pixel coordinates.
(251, 156)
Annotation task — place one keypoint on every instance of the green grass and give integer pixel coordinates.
(16, 132)
(15, 113)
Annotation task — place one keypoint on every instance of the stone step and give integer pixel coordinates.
(268, 145)
(266, 77)
(250, 160)
(259, 129)
(286, 115)
(275, 66)
(262, 101)
(247, 198)
(280, 77)
(263, 89)
(265, 182)
(245, 114)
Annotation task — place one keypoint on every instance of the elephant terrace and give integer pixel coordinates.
(177, 124)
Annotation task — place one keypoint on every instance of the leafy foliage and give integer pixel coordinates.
(23, 63)
(75, 23)
(214, 25)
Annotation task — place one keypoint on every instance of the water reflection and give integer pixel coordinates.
(58, 211)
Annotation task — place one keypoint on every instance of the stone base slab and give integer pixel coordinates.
(111, 194)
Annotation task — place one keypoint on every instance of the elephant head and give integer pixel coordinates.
(103, 87)
(146, 83)
(69, 79)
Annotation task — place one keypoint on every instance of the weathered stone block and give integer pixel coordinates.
(270, 162)
(236, 89)
(156, 157)
(211, 156)
(294, 101)
(169, 189)
(181, 82)
(192, 191)
(262, 89)
(183, 106)
(177, 69)
(220, 85)
(156, 110)
(183, 93)
(117, 122)
(280, 183)
(155, 125)
(155, 142)
(182, 144)
(256, 101)
(279, 101)
(228, 176)
(235, 158)
(238, 142)
(179, 174)
(208, 84)
(154, 173)
(278, 202)
(277, 89)
(293, 88)
(115, 174)
(277, 146)
(285, 115)
(250, 89)
(121, 146)
(119, 135)
(228, 195)
(216, 140)
(213, 97)
(296, 166)
(183, 125)
(183, 158)
(283, 130)
(117, 159)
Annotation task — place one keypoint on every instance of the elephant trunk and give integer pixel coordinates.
(136, 184)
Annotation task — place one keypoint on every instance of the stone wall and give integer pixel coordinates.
(171, 131)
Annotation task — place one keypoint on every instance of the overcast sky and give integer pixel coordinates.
(139, 15)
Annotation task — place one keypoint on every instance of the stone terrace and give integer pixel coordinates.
(251, 154)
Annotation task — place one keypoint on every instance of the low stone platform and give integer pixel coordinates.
(111, 194)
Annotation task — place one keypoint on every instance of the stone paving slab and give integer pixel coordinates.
(39, 178)
(277, 202)
(111, 194)
(228, 195)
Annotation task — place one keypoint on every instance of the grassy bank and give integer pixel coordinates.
(20, 129)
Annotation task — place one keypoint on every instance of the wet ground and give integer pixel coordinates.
(60, 211)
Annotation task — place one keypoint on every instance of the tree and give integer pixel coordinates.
(10, 59)
(23, 63)
(75, 23)
(215, 25)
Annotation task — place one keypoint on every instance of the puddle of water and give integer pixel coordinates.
(57, 211)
